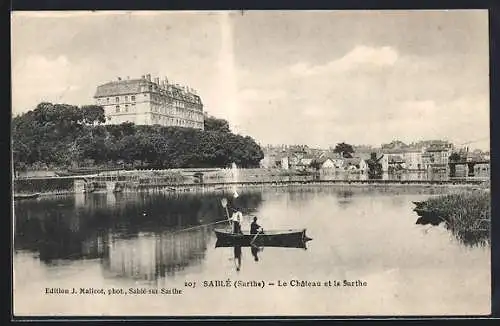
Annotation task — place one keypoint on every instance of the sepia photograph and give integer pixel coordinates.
(251, 163)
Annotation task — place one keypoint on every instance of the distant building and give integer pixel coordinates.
(326, 163)
(413, 159)
(482, 170)
(426, 160)
(439, 154)
(306, 161)
(269, 161)
(416, 156)
(393, 152)
(396, 163)
(148, 102)
(436, 156)
(354, 163)
(363, 166)
(284, 163)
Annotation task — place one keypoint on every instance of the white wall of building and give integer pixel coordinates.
(148, 109)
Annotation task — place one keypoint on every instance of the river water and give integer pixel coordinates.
(132, 241)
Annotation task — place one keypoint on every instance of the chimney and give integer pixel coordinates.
(143, 77)
(166, 80)
(148, 77)
(119, 78)
(128, 77)
(157, 80)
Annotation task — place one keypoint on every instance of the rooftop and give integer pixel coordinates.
(396, 159)
(437, 149)
(133, 86)
(119, 87)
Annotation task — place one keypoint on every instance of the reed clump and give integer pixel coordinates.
(466, 214)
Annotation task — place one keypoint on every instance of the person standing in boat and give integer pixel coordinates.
(236, 219)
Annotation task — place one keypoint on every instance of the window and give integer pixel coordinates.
(133, 97)
(117, 109)
(107, 99)
(126, 107)
(117, 99)
(126, 98)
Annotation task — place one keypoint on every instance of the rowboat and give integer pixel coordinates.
(288, 238)
(26, 196)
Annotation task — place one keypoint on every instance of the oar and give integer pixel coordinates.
(224, 204)
(255, 237)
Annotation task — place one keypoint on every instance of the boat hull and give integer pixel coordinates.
(287, 239)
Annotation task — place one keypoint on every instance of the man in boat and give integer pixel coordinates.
(236, 219)
(254, 227)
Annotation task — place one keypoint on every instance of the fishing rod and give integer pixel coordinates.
(224, 204)
(199, 226)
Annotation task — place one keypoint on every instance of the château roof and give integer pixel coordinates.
(119, 87)
(134, 86)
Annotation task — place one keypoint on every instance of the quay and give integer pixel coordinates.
(88, 184)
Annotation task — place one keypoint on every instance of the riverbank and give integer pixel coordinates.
(466, 214)
(230, 187)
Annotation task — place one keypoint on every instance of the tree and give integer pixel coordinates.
(214, 124)
(63, 134)
(374, 166)
(344, 149)
(93, 114)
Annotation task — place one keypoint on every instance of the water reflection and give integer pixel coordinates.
(255, 251)
(152, 256)
(133, 240)
(477, 234)
(237, 250)
(136, 236)
(237, 257)
(345, 197)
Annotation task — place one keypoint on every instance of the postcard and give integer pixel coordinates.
(251, 163)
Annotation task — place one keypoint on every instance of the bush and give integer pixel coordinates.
(467, 215)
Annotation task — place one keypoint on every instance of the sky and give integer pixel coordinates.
(282, 77)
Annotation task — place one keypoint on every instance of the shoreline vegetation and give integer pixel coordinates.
(67, 136)
(466, 214)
